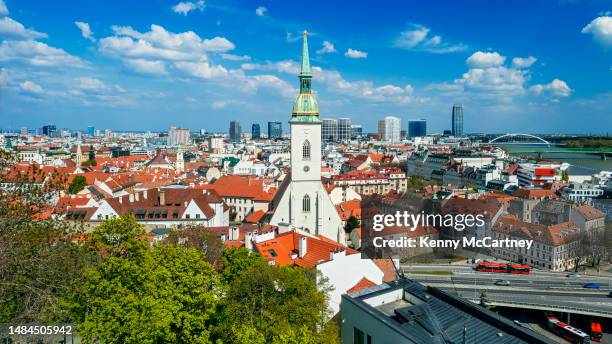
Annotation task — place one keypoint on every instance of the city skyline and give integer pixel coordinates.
(122, 71)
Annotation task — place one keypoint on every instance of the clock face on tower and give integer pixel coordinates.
(306, 168)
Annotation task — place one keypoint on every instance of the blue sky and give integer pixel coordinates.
(517, 66)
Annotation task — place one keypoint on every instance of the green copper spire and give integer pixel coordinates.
(305, 70)
(305, 108)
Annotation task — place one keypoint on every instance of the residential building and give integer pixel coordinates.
(242, 194)
(587, 218)
(457, 120)
(417, 128)
(581, 192)
(555, 247)
(215, 144)
(391, 129)
(531, 174)
(178, 136)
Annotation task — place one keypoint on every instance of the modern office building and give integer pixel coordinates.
(91, 131)
(255, 131)
(417, 128)
(356, 131)
(23, 131)
(390, 129)
(329, 130)
(405, 311)
(457, 120)
(178, 136)
(49, 130)
(275, 130)
(344, 129)
(235, 131)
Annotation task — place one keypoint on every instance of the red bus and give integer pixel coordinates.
(596, 331)
(572, 334)
(502, 267)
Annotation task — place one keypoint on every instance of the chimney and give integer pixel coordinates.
(248, 240)
(234, 233)
(303, 248)
(162, 197)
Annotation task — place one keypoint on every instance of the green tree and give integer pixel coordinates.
(275, 305)
(351, 223)
(77, 184)
(238, 260)
(565, 176)
(137, 294)
(39, 258)
(201, 239)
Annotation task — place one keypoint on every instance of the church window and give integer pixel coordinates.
(306, 150)
(306, 204)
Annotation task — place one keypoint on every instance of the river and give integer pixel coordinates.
(581, 163)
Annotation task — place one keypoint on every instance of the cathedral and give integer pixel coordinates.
(302, 202)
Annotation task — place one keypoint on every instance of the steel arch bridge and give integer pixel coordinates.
(540, 140)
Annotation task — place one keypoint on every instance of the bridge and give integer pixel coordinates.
(520, 139)
(540, 290)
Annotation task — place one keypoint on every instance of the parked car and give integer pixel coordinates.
(591, 285)
(573, 275)
(502, 282)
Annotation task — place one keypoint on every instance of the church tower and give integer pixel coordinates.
(180, 162)
(79, 155)
(302, 200)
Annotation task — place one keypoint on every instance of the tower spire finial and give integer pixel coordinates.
(305, 68)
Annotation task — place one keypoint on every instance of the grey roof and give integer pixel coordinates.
(442, 318)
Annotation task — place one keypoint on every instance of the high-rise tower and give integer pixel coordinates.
(457, 125)
(302, 201)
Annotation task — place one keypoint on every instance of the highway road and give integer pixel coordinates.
(539, 288)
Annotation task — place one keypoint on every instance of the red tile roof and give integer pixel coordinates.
(535, 194)
(242, 187)
(284, 249)
(589, 213)
(255, 216)
(363, 283)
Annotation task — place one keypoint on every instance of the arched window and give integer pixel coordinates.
(306, 150)
(306, 204)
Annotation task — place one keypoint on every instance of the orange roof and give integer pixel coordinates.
(388, 268)
(255, 216)
(535, 193)
(242, 187)
(284, 249)
(589, 213)
(500, 197)
(349, 208)
(363, 283)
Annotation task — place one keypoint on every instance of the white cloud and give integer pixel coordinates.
(261, 11)
(556, 88)
(523, 62)
(418, 38)
(160, 44)
(601, 29)
(89, 84)
(30, 88)
(185, 7)
(232, 57)
(3, 9)
(202, 70)
(355, 54)
(12, 29)
(145, 67)
(334, 82)
(494, 80)
(85, 30)
(327, 48)
(483, 60)
(37, 54)
(218, 44)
